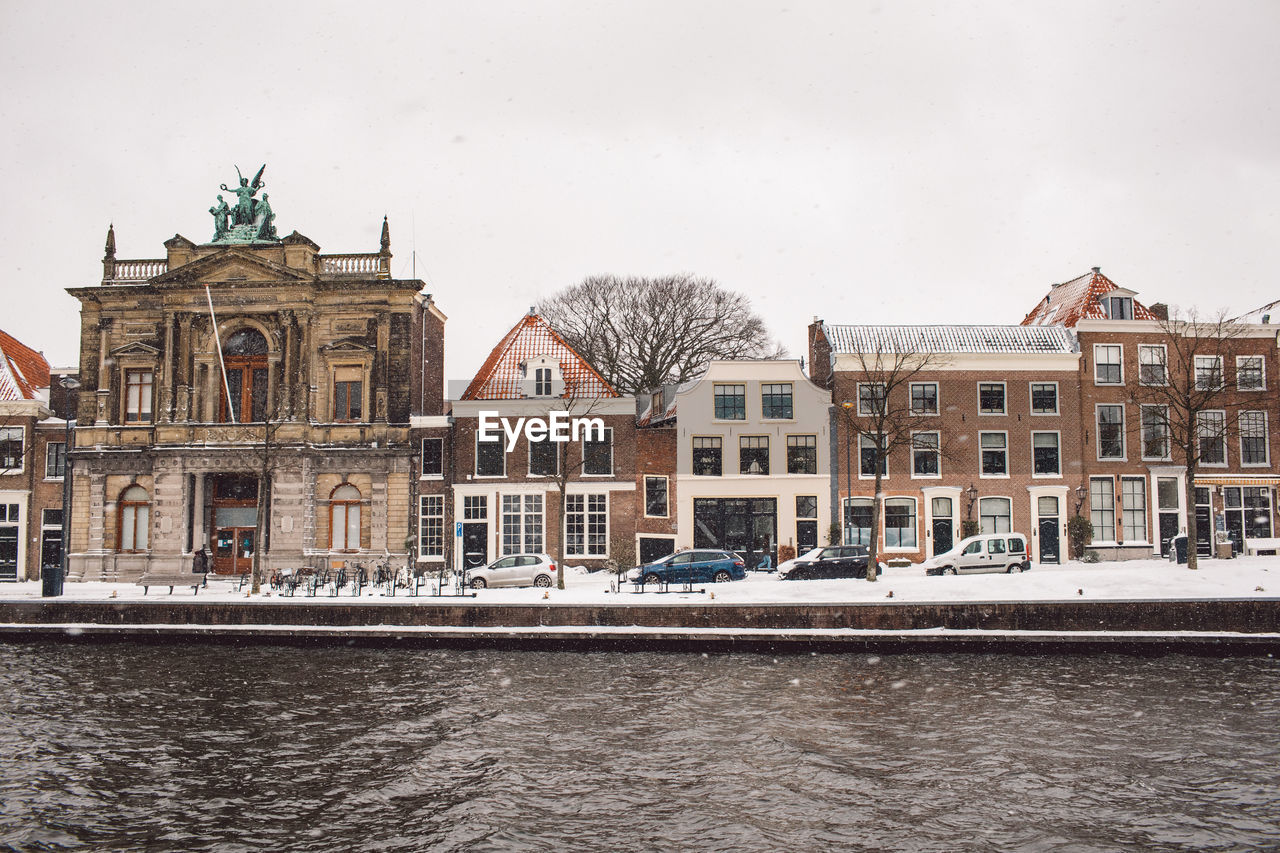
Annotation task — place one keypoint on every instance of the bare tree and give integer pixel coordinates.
(569, 465)
(1182, 395)
(883, 414)
(641, 333)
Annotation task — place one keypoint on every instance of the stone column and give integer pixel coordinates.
(183, 373)
(199, 536)
(167, 372)
(287, 320)
(104, 373)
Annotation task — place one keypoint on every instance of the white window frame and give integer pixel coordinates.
(1107, 302)
(986, 498)
(475, 463)
(1266, 439)
(1097, 429)
(981, 450)
(915, 529)
(1261, 360)
(1057, 399)
(1195, 367)
(872, 475)
(6, 433)
(884, 398)
(48, 451)
(422, 448)
(936, 451)
(423, 555)
(608, 439)
(1123, 530)
(1222, 437)
(1057, 475)
(586, 514)
(1004, 399)
(911, 399)
(1163, 363)
(644, 495)
(1097, 362)
(1142, 433)
(523, 515)
(1109, 508)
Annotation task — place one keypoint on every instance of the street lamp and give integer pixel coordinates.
(53, 578)
(971, 496)
(1081, 491)
(846, 504)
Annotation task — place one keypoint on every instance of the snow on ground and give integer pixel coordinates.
(1134, 580)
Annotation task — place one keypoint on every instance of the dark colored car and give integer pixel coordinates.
(696, 566)
(834, 561)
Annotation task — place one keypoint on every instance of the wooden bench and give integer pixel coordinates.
(1253, 546)
(171, 580)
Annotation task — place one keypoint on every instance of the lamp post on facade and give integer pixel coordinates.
(1080, 493)
(53, 578)
(971, 497)
(846, 505)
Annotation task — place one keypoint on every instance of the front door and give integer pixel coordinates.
(1234, 508)
(806, 536)
(1204, 522)
(233, 550)
(475, 544)
(1049, 545)
(943, 525)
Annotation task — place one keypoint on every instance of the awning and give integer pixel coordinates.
(1237, 480)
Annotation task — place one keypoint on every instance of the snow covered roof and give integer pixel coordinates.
(23, 371)
(949, 339)
(500, 376)
(1079, 299)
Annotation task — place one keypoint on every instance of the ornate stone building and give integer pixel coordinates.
(248, 392)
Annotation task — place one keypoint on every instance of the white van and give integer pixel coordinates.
(986, 552)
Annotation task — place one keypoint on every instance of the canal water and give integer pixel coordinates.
(184, 747)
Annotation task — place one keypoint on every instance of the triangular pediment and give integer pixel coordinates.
(135, 348)
(234, 264)
(346, 346)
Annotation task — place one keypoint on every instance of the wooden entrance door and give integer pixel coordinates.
(233, 550)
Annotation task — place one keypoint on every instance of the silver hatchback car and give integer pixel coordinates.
(515, 570)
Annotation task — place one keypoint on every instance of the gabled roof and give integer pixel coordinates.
(23, 371)
(500, 376)
(949, 339)
(1078, 299)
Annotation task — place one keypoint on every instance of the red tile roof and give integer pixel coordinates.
(22, 370)
(500, 376)
(1076, 300)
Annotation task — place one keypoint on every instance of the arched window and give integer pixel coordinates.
(245, 356)
(344, 518)
(135, 519)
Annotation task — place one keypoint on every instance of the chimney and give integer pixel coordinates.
(1097, 270)
(1160, 310)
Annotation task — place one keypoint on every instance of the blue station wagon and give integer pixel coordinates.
(696, 566)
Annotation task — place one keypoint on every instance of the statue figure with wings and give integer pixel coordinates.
(243, 212)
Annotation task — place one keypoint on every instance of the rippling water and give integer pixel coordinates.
(183, 747)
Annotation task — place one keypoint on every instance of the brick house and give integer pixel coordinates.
(998, 443)
(243, 365)
(31, 464)
(507, 501)
(656, 483)
(1135, 480)
(752, 459)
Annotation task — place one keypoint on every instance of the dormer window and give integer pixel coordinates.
(1118, 307)
(540, 377)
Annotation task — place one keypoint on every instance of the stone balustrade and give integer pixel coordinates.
(351, 265)
(127, 271)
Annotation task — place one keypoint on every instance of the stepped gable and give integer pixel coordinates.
(23, 371)
(500, 376)
(1078, 299)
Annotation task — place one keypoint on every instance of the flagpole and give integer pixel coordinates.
(217, 339)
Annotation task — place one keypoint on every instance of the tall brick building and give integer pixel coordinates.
(248, 379)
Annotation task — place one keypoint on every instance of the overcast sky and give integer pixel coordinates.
(865, 162)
